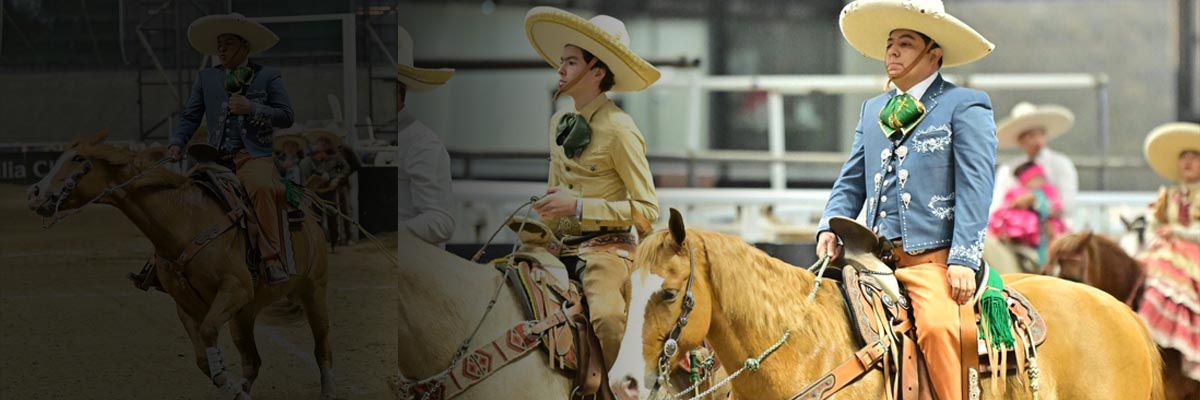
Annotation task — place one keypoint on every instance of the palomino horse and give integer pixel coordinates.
(745, 301)
(1100, 262)
(215, 286)
(441, 298)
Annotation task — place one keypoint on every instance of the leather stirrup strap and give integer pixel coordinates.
(863, 361)
(969, 351)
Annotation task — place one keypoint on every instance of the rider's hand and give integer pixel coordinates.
(827, 244)
(239, 105)
(174, 153)
(1165, 232)
(557, 203)
(962, 284)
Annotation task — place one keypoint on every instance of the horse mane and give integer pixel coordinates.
(752, 287)
(139, 161)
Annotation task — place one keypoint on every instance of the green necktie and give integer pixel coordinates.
(574, 134)
(238, 80)
(901, 114)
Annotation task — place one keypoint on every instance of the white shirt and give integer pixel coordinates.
(1060, 172)
(919, 89)
(423, 182)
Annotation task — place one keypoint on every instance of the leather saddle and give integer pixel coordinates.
(882, 318)
(541, 281)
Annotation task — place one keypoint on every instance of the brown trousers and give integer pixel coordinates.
(261, 180)
(606, 287)
(937, 318)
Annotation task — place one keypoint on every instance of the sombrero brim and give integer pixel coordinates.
(1165, 143)
(550, 29)
(866, 25)
(317, 134)
(423, 79)
(203, 33)
(280, 141)
(1055, 120)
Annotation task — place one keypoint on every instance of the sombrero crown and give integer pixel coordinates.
(550, 29)
(866, 24)
(203, 33)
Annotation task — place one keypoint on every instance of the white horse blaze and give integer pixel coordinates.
(630, 363)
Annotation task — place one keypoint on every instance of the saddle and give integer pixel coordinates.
(881, 317)
(221, 184)
(542, 284)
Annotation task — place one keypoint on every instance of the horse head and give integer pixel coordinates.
(1070, 257)
(1133, 241)
(670, 309)
(83, 172)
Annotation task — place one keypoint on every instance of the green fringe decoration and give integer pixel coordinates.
(292, 192)
(993, 312)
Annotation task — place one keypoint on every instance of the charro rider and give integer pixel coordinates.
(922, 165)
(600, 181)
(244, 102)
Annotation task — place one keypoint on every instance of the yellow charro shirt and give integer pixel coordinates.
(611, 176)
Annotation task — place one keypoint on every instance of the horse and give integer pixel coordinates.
(746, 303)
(441, 299)
(215, 286)
(1097, 261)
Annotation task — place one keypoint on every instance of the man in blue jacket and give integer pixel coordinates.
(244, 103)
(922, 167)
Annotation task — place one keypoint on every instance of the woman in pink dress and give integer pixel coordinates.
(1032, 212)
(1171, 304)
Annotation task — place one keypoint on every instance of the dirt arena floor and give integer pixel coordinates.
(73, 327)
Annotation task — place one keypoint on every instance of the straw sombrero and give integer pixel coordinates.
(866, 24)
(281, 140)
(1166, 142)
(316, 134)
(203, 33)
(416, 79)
(550, 29)
(1055, 120)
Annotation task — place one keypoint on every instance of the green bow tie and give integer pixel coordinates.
(574, 134)
(901, 114)
(238, 79)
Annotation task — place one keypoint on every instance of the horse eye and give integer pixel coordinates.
(77, 158)
(669, 295)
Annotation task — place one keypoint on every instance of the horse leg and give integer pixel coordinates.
(193, 331)
(312, 297)
(229, 298)
(241, 328)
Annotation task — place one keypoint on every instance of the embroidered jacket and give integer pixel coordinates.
(941, 173)
(270, 108)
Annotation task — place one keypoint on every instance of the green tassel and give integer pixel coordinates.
(292, 193)
(993, 309)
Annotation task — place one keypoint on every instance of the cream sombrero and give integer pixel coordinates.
(416, 79)
(866, 24)
(1166, 142)
(1055, 120)
(550, 29)
(203, 32)
(317, 134)
(299, 140)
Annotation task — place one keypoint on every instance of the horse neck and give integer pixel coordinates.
(756, 298)
(170, 217)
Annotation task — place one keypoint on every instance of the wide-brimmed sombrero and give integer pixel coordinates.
(203, 33)
(282, 140)
(416, 79)
(1055, 120)
(316, 134)
(866, 24)
(1165, 143)
(550, 29)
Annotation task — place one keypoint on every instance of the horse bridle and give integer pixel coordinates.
(671, 345)
(72, 182)
(69, 186)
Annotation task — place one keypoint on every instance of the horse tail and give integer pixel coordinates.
(283, 312)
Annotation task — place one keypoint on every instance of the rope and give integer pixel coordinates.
(752, 364)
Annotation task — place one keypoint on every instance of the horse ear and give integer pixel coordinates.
(678, 231)
(100, 136)
(1128, 224)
